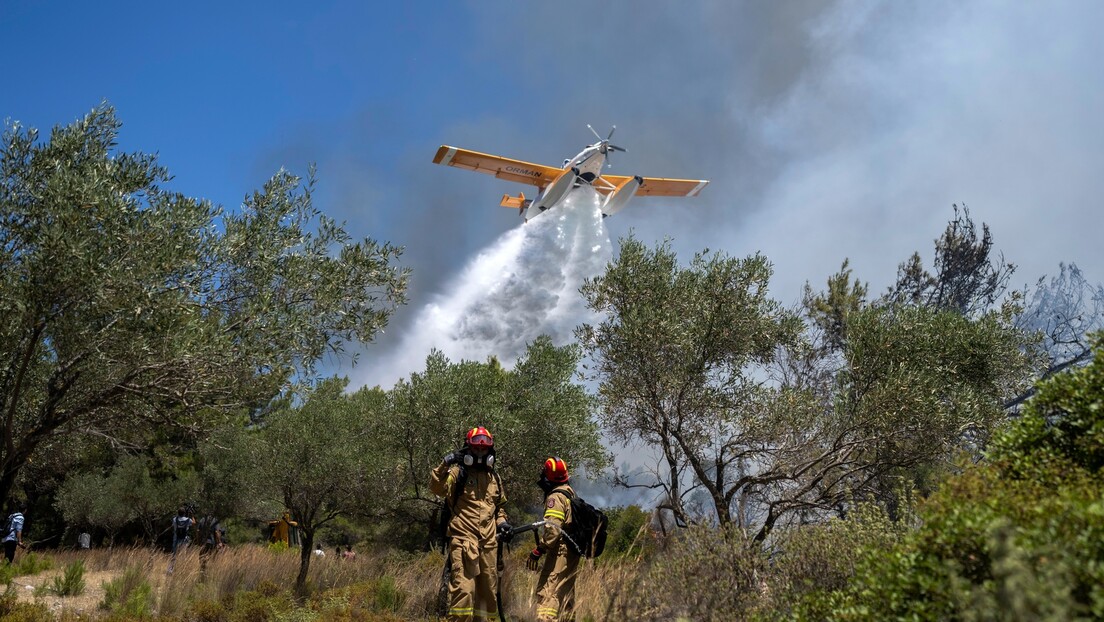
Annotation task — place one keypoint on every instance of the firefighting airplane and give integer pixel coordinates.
(554, 183)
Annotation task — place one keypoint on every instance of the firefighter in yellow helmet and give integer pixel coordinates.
(556, 583)
(474, 493)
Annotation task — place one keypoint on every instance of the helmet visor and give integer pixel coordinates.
(481, 440)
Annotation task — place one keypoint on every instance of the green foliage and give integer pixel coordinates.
(11, 610)
(831, 311)
(1064, 422)
(679, 358)
(261, 605)
(388, 596)
(824, 555)
(69, 583)
(924, 378)
(628, 533)
(208, 611)
(1018, 537)
(129, 595)
(534, 411)
(129, 492)
(125, 306)
(9, 598)
(27, 564)
(323, 459)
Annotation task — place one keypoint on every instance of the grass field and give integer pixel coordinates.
(256, 583)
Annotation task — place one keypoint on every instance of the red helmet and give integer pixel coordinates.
(479, 437)
(554, 470)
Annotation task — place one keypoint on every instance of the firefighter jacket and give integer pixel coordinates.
(477, 510)
(557, 513)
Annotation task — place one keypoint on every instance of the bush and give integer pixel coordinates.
(388, 596)
(705, 574)
(1018, 537)
(129, 595)
(69, 583)
(27, 612)
(261, 605)
(811, 559)
(29, 564)
(207, 611)
(627, 532)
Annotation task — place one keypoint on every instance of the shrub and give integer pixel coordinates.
(69, 583)
(627, 532)
(261, 606)
(388, 596)
(207, 611)
(27, 612)
(128, 595)
(705, 574)
(29, 564)
(812, 559)
(1018, 537)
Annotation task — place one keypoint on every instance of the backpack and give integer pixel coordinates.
(182, 525)
(587, 530)
(441, 533)
(207, 527)
(8, 525)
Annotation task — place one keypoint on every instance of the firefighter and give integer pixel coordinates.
(556, 584)
(473, 491)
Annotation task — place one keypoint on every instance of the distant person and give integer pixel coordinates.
(181, 529)
(13, 537)
(210, 534)
(318, 552)
(349, 553)
(84, 540)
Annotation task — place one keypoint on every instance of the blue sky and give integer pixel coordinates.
(830, 130)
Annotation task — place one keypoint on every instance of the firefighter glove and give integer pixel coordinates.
(452, 458)
(534, 559)
(504, 529)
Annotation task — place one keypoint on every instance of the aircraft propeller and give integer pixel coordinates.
(606, 146)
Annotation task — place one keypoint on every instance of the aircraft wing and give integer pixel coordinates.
(657, 186)
(537, 175)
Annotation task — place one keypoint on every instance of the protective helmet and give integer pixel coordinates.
(479, 437)
(554, 470)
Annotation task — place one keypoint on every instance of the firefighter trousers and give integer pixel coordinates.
(473, 582)
(556, 586)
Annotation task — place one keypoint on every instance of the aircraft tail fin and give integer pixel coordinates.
(517, 202)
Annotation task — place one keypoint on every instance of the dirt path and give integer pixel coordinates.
(85, 603)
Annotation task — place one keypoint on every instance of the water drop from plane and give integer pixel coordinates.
(523, 285)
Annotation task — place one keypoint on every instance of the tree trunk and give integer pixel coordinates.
(306, 549)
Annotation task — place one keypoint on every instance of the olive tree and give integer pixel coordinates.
(679, 360)
(744, 401)
(320, 460)
(124, 304)
(126, 494)
(534, 411)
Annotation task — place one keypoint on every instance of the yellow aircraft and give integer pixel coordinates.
(554, 183)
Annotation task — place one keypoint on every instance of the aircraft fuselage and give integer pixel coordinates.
(589, 162)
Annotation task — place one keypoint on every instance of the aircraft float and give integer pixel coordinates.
(554, 183)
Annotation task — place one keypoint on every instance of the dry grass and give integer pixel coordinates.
(230, 571)
(400, 587)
